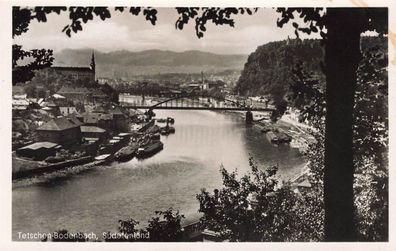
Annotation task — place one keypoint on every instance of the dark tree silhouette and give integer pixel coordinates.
(340, 29)
(342, 56)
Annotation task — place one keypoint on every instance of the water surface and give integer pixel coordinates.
(94, 201)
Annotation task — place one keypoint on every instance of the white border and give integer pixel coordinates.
(5, 129)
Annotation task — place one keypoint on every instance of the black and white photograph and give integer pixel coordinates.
(199, 124)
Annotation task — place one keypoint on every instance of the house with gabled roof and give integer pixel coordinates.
(62, 130)
(38, 150)
(93, 132)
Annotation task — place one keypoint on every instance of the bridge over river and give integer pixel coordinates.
(194, 102)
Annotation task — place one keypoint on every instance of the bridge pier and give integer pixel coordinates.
(249, 117)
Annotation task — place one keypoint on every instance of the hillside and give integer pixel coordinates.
(127, 63)
(268, 69)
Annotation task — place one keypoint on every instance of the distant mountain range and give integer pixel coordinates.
(128, 64)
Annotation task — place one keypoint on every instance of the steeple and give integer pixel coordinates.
(93, 63)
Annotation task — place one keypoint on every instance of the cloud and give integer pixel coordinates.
(126, 32)
(99, 35)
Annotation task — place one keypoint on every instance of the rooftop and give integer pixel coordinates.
(117, 111)
(99, 109)
(59, 124)
(39, 145)
(92, 129)
(73, 90)
(72, 118)
(94, 117)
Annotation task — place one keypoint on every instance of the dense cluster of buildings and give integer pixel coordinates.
(75, 118)
(168, 83)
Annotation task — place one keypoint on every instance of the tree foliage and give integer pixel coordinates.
(166, 226)
(271, 70)
(370, 111)
(42, 58)
(315, 21)
(78, 16)
(201, 16)
(370, 139)
(256, 207)
(342, 57)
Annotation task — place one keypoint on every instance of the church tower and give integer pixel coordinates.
(93, 65)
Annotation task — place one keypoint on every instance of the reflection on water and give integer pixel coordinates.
(95, 200)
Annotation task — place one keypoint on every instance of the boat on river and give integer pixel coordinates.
(166, 130)
(161, 120)
(276, 137)
(155, 136)
(153, 129)
(149, 150)
(126, 153)
(170, 120)
(104, 159)
(266, 127)
(171, 129)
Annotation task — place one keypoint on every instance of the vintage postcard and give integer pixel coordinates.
(265, 124)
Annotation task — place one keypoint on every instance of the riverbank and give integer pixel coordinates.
(300, 132)
(190, 161)
(26, 168)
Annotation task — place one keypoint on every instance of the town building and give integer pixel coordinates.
(120, 120)
(63, 131)
(98, 96)
(216, 84)
(18, 92)
(19, 98)
(38, 150)
(81, 94)
(68, 110)
(93, 132)
(74, 75)
(102, 120)
(20, 104)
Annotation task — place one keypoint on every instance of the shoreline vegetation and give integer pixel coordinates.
(191, 228)
(35, 170)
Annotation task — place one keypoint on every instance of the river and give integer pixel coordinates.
(94, 200)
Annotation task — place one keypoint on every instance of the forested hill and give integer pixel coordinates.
(268, 69)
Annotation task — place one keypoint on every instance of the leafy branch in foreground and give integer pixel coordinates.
(257, 208)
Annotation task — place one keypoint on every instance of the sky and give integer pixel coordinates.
(127, 32)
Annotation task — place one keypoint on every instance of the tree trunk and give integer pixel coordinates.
(342, 56)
